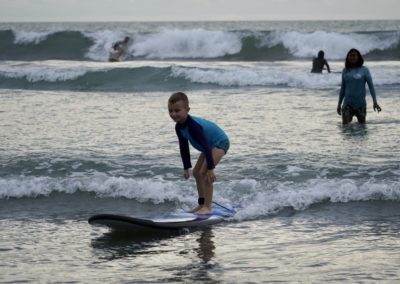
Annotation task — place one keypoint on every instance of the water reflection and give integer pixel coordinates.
(206, 248)
(201, 267)
(354, 130)
(119, 244)
(174, 255)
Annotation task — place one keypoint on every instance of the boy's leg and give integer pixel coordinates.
(200, 183)
(205, 188)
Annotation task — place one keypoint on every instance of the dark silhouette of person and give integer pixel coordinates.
(119, 49)
(319, 62)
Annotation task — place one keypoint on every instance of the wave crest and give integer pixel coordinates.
(198, 44)
(186, 44)
(252, 198)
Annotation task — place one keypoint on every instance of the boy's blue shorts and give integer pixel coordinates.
(224, 145)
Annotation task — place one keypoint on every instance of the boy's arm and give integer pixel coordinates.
(197, 133)
(184, 149)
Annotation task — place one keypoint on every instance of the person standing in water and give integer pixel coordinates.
(352, 91)
(319, 62)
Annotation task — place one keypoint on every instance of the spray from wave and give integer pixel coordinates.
(252, 198)
(156, 76)
(199, 44)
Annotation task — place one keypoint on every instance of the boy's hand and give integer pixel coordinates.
(186, 174)
(211, 176)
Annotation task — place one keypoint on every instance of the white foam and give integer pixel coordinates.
(257, 76)
(252, 198)
(293, 170)
(26, 37)
(292, 74)
(42, 72)
(142, 190)
(266, 201)
(103, 41)
(335, 45)
(195, 43)
(51, 70)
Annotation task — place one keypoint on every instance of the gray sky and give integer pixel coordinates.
(181, 10)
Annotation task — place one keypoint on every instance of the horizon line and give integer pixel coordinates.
(218, 20)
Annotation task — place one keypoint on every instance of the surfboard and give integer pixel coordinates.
(114, 57)
(173, 221)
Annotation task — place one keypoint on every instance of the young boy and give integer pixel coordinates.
(206, 137)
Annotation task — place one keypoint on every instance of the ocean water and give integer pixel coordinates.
(316, 201)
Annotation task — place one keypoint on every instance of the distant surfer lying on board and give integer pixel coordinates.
(119, 49)
(205, 136)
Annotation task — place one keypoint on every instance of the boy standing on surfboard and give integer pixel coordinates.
(205, 136)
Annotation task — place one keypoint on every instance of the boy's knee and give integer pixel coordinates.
(197, 173)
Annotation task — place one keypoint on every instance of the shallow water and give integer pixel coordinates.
(353, 242)
(319, 202)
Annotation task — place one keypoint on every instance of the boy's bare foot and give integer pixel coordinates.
(204, 210)
(196, 209)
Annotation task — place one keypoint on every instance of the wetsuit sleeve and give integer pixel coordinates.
(368, 78)
(342, 90)
(184, 149)
(197, 133)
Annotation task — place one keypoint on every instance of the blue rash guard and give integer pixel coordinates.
(203, 135)
(353, 87)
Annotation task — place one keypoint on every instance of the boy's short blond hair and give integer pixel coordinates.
(178, 96)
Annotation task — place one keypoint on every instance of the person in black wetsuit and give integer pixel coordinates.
(319, 62)
(119, 48)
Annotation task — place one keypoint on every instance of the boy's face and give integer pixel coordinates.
(178, 111)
